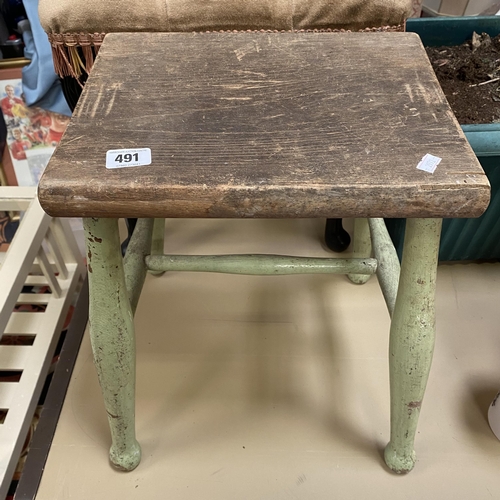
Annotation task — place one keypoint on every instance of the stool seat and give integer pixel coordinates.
(264, 125)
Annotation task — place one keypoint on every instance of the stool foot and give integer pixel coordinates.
(337, 239)
(126, 460)
(362, 248)
(399, 463)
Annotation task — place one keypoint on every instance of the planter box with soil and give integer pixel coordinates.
(475, 69)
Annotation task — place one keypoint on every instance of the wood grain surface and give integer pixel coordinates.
(264, 125)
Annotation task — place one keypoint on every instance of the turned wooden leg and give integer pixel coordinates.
(130, 223)
(112, 337)
(361, 248)
(134, 262)
(412, 338)
(158, 241)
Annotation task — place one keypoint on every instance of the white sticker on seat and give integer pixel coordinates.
(429, 163)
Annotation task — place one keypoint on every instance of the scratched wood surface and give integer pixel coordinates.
(264, 125)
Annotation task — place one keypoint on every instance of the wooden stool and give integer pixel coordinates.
(261, 124)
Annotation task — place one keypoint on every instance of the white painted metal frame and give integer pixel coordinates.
(43, 252)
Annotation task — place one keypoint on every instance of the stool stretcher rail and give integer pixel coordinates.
(259, 264)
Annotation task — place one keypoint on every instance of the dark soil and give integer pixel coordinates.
(470, 77)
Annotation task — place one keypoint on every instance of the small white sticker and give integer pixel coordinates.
(429, 163)
(121, 158)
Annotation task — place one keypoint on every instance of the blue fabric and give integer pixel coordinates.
(41, 85)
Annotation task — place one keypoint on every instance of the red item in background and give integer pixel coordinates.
(18, 149)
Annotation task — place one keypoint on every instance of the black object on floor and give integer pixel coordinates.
(337, 238)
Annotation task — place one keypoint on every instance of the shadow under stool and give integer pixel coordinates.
(268, 125)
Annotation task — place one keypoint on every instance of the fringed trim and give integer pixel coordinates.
(74, 53)
(70, 61)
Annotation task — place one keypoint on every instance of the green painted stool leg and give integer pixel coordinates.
(112, 337)
(157, 244)
(412, 338)
(362, 248)
(134, 262)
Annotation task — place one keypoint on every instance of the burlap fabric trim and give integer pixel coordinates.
(74, 53)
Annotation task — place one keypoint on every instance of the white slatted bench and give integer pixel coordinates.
(42, 253)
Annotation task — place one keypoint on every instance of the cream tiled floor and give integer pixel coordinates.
(277, 387)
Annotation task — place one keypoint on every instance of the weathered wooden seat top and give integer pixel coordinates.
(264, 125)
